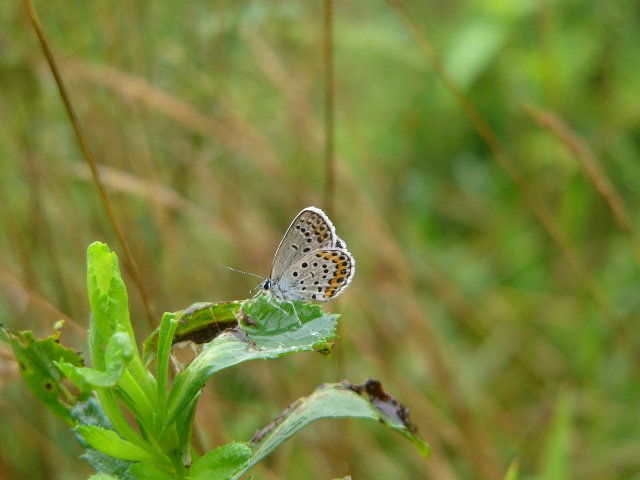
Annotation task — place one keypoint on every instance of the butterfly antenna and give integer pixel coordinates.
(246, 273)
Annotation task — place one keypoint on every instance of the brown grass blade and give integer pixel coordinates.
(88, 156)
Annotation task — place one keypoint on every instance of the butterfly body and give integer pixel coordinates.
(311, 262)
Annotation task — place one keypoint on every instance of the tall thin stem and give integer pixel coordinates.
(88, 156)
(329, 109)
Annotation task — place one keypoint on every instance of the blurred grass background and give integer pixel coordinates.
(486, 180)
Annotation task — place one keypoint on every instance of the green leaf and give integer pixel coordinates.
(90, 412)
(119, 353)
(103, 476)
(150, 471)
(184, 429)
(110, 315)
(167, 329)
(273, 332)
(289, 325)
(335, 401)
(108, 299)
(109, 442)
(37, 360)
(221, 463)
(199, 323)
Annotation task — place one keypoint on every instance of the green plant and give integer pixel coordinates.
(120, 379)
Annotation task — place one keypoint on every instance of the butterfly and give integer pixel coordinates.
(311, 262)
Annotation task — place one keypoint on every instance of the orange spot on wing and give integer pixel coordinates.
(328, 256)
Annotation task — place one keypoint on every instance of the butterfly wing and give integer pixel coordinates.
(320, 275)
(310, 230)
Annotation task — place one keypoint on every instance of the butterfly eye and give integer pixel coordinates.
(266, 285)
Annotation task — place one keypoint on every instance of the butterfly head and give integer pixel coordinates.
(272, 288)
(266, 285)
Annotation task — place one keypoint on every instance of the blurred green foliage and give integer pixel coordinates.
(508, 342)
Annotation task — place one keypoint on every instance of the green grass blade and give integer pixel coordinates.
(556, 458)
